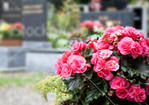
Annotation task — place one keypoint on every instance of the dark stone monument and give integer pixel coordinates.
(123, 17)
(34, 20)
(0, 9)
(11, 10)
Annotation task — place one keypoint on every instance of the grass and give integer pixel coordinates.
(20, 79)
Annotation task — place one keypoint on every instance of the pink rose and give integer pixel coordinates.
(77, 64)
(137, 94)
(98, 24)
(111, 65)
(147, 87)
(133, 33)
(100, 55)
(99, 65)
(145, 45)
(113, 34)
(87, 24)
(114, 58)
(107, 33)
(65, 56)
(104, 45)
(124, 45)
(122, 93)
(140, 95)
(136, 50)
(105, 54)
(82, 46)
(58, 66)
(93, 44)
(66, 72)
(95, 58)
(78, 46)
(131, 93)
(105, 74)
(119, 83)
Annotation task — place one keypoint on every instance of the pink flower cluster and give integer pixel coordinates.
(126, 90)
(91, 24)
(126, 40)
(104, 63)
(72, 62)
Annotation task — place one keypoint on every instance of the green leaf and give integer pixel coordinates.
(92, 94)
(88, 52)
(74, 83)
(124, 68)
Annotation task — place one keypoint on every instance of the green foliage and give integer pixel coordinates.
(86, 88)
(13, 33)
(62, 22)
(56, 85)
(18, 79)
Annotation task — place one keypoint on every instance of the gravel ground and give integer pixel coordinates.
(23, 95)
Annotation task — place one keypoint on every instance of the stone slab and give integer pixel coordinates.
(122, 17)
(34, 19)
(37, 59)
(12, 58)
(42, 60)
(35, 44)
(12, 10)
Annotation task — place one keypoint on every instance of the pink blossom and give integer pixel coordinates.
(133, 33)
(58, 66)
(111, 65)
(104, 45)
(114, 58)
(119, 83)
(122, 93)
(112, 34)
(124, 45)
(65, 56)
(145, 45)
(136, 94)
(87, 24)
(99, 65)
(105, 74)
(136, 50)
(93, 44)
(66, 72)
(95, 58)
(77, 64)
(107, 33)
(140, 95)
(78, 46)
(147, 87)
(105, 54)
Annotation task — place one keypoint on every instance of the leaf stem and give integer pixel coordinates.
(100, 90)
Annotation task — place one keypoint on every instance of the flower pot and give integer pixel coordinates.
(11, 42)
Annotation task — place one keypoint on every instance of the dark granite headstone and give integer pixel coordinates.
(0, 9)
(34, 19)
(11, 10)
(124, 18)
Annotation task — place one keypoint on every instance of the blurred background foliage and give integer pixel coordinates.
(62, 22)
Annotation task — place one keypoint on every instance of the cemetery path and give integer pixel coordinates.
(23, 95)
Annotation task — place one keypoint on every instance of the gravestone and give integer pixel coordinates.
(11, 10)
(0, 9)
(34, 20)
(123, 17)
(140, 18)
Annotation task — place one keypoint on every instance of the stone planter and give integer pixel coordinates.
(11, 42)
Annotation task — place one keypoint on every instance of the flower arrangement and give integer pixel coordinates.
(11, 30)
(110, 70)
(93, 27)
